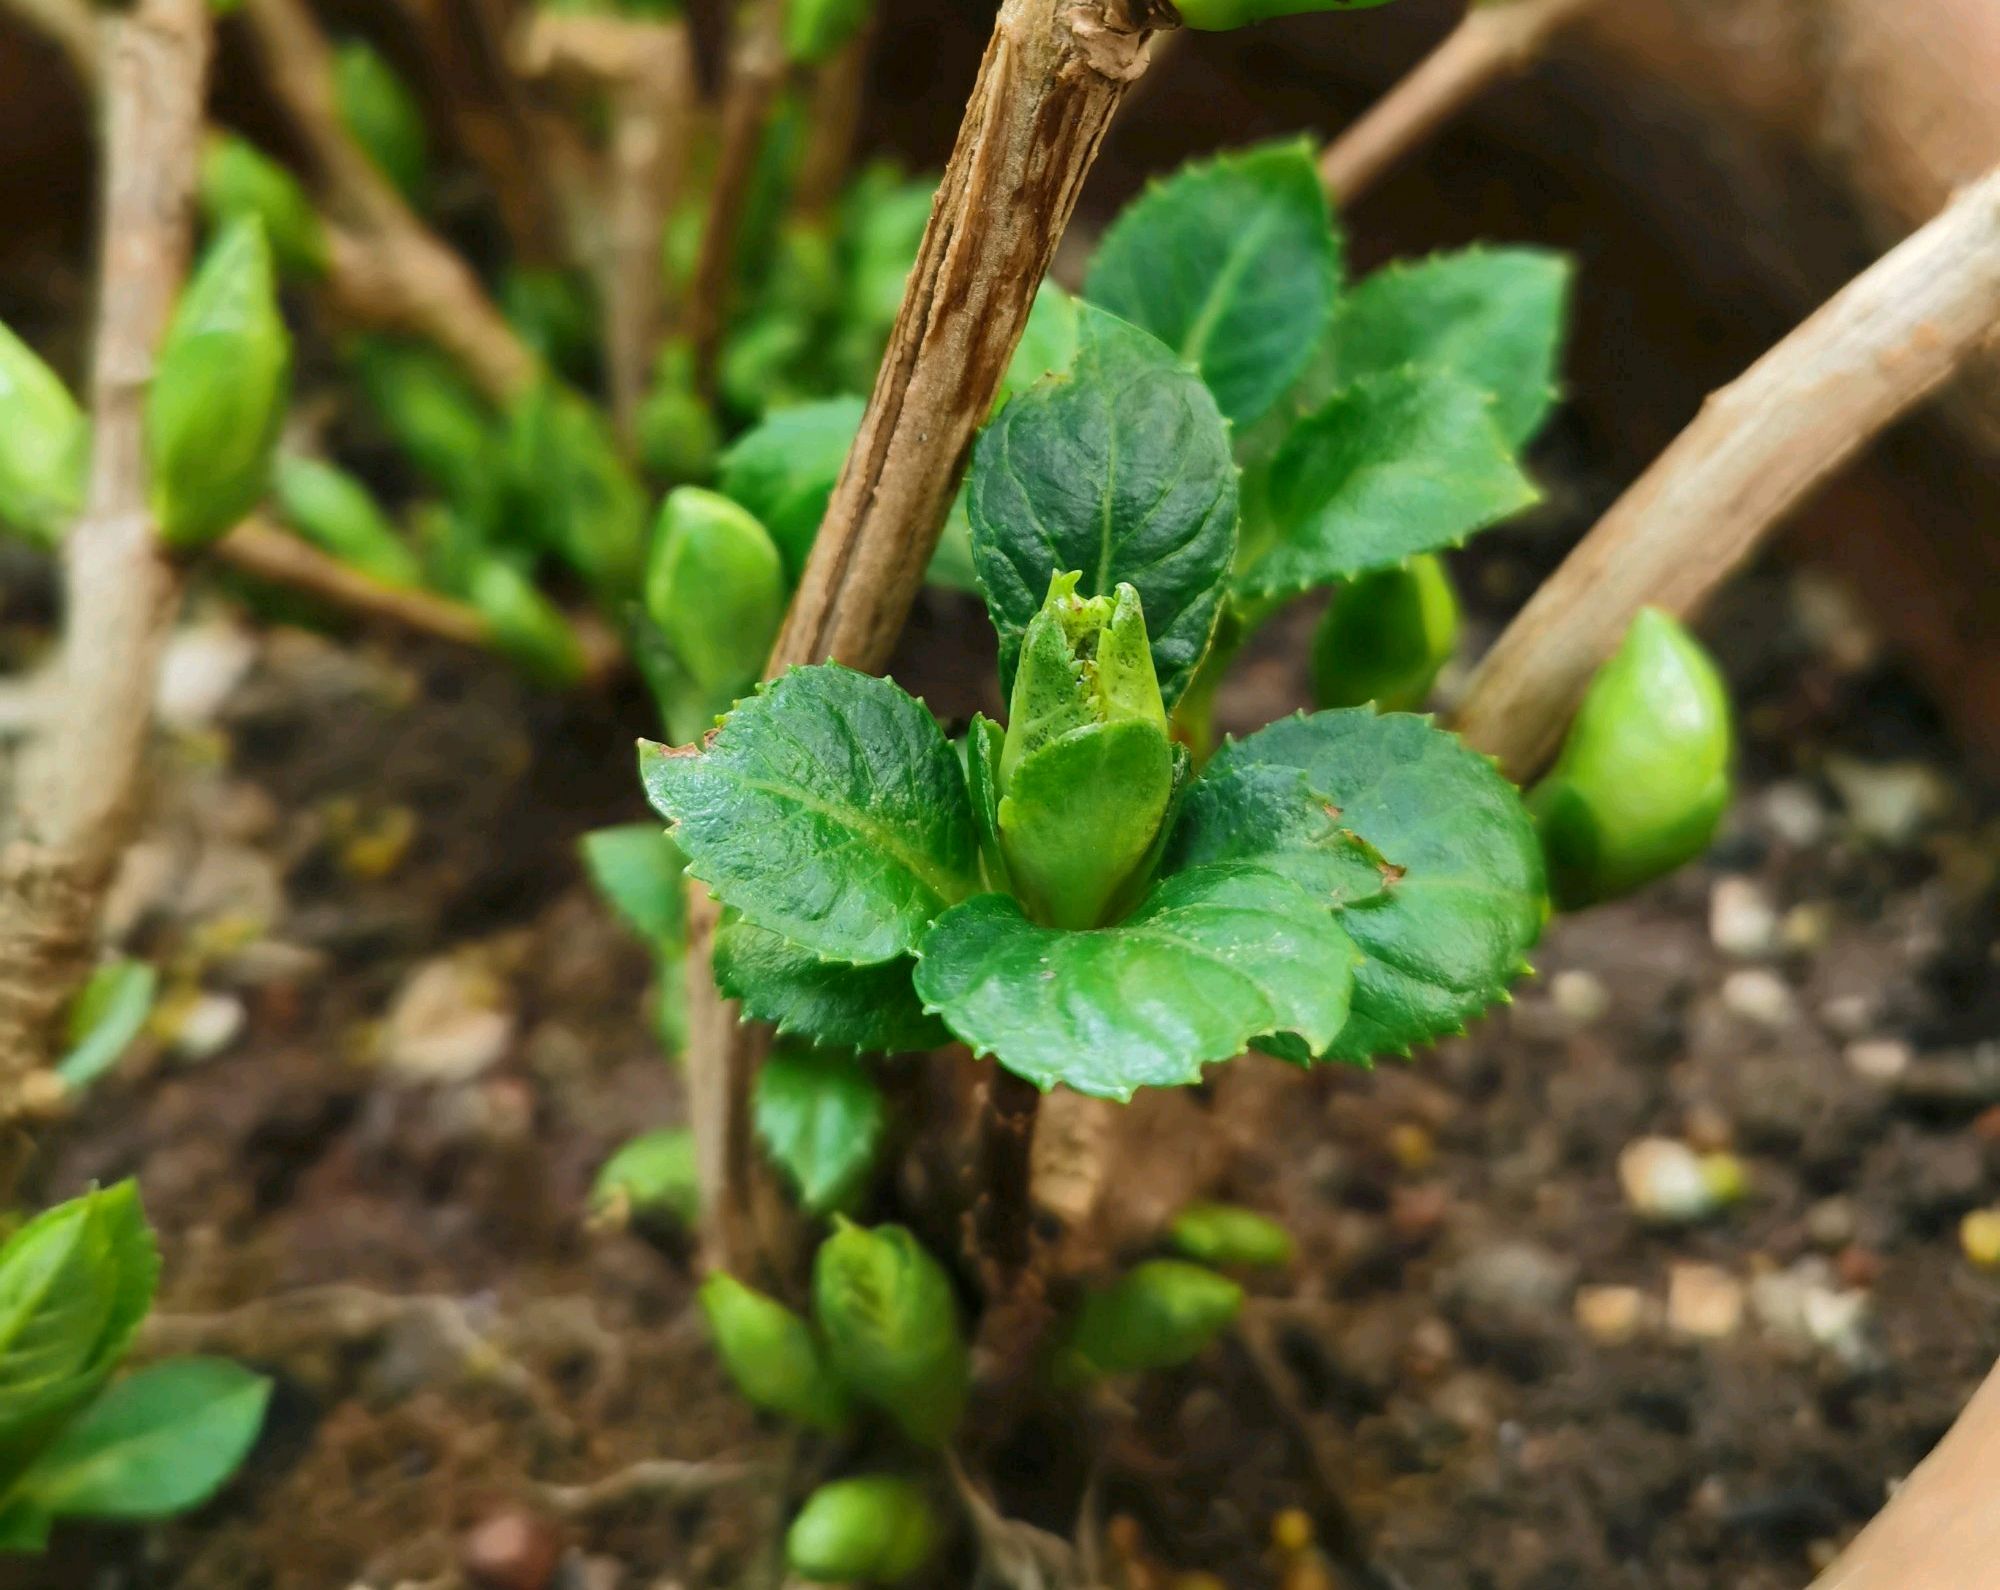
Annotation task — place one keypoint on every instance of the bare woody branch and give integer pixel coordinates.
(1496, 38)
(1054, 73)
(387, 267)
(75, 810)
(1759, 447)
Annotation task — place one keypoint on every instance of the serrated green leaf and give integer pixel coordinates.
(828, 808)
(1211, 959)
(637, 868)
(1397, 464)
(1461, 901)
(1233, 263)
(984, 741)
(784, 468)
(1491, 316)
(109, 1013)
(821, 1117)
(835, 1003)
(157, 1443)
(1118, 467)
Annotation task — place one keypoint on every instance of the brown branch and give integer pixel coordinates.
(1496, 38)
(79, 799)
(654, 1480)
(756, 74)
(387, 267)
(69, 24)
(1759, 446)
(1054, 73)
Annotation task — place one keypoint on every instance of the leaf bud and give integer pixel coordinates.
(335, 512)
(1086, 768)
(772, 1355)
(1155, 1316)
(1385, 636)
(814, 29)
(678, 434)
(1643, 778)
(871, 1529)
(526, 625)
(579, 499)
(1231, 1236)
(219, 391)
(891, 1325)
(1217, 16)
(44, 445)
(239, 179)
(383, 117)
(715, 590)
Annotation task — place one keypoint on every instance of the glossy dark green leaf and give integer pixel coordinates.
(821, 1118)
(1400, 463)
(1233, 263)
(1119, 468)
(1493, 317)
(1211, 959)
(834, 1003)
(1458, 897)
(638, 869)
(829, 808)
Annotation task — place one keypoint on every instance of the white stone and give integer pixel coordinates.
(208, 1024)
(1879, 1059)
(1703, 1301)
(1741, 920)
(449, 1023)
(1665, 1182)
(1794, 813)
(1580, 997)
(1759, 996)
(1889, 802)
(201, 669)
(1611, 1315)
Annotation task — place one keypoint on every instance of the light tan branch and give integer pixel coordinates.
(79, 796)
(387, 267)
(1496, 38)
(1759, 447)
(649, 1480)
(1054, 73)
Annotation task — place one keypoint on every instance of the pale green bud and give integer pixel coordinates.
(335, 512)
(890, 1320)
(219, 392)
(1157, 1315)
(814, 29)
(526, 625)
(1643, 778)
(772, 1355)
(1230, 1236)
(383, 117)
(872, 1529)
(653, 1174)
(715, 590)
(580, 499)
(239, 179)
(1385, 636)
(44, 445)
(1087, 768)
(678, 434)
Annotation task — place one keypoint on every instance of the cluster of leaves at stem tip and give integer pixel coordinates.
(75, 1285)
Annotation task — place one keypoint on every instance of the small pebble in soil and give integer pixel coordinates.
(1830, 1223)
(1805, 928)
(1509, 1278)
(1848, 1015)
(448, 1024)
(511, 1551)
(1703, 1301)
(1979, 1236)
(1411, 1147)
(1741, 919)
(1803, 1307)
(203, 1025)
(1759, 996)
(1879, 1059)
(1794, 814)
(1579, 997)
(1668, 1183)
(1889, 803)
(1611, 1315)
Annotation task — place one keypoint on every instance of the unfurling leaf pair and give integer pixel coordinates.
(75, 1285)
(887, 1334)
(1643, 777)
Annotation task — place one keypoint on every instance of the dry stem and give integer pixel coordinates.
(259, 548)
(1496, 37)
(1759, 446)
(1054, 73)
(77, 804)
(387, 267)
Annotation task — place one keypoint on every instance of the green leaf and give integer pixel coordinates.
(1233, 263)
(1397, 464)
(784, 468)
(436, 416)
(637, 868)
(1215, 16)
(577, 497)
(1157, 1315)
(1457, 898)
(835, 1003)
(526, 626)
(715, 591)
(772, 1355)
(1211, 959)
(1385, 637)
(109, 1013)
(383, 117)
(1492, 317)
(334, 511)
(1231, 1236)
(984, 741)
(653, 1173)
(867, 1528)
(1047, 345)
(821, 1118)
(238, 178)
(44, 445)
(890, 1319)
(157, 1443)
(814, 29)
(829, 808)
(1119, 468)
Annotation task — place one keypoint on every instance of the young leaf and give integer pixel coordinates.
(1233, 263)
(638, 869)
(1231, 1236)
(1119, 468)
(1385, 636)
(821, 1117)
(829, 808)
(653, 1173)
(1397, 464)
(109, 1013)
(238, 178)
(157, 1443)
(814, 29)
(890, 1319)
(869, 1529)
(772, 1355)
(834, 1003)
(1492, 317)
(578, 498)
(1157, 1315)
(784, 468)
(1459, 899)
(526, 625)
(333, 510)
(44, 445)
(433, 414)
(383, 117)
(715, 591)
(1211, 959)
